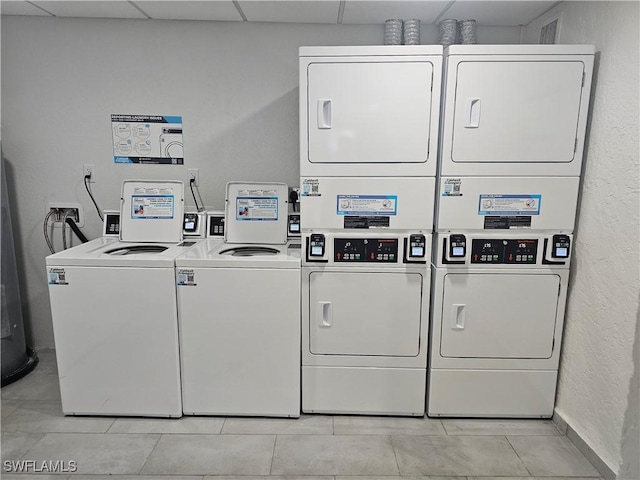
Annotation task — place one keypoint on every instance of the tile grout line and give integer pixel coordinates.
(113, 422)
(446, 432)
(273, 454)
(395, 455)
(517, 455)
(150, 453)
(224, 422)
(32, 446)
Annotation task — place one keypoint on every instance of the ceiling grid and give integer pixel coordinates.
(347, 12)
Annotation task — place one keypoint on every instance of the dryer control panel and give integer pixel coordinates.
(384, 250)
(496, 251)
(380, 250)
(513, 250)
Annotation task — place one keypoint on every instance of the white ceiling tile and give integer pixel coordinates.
(21, 8)
(221, 11)
(299, 11)
(376, 12)
(90, 8)
(499, 13)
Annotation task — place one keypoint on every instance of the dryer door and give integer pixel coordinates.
(365, 313)
(360, 114)
(518, 117)
(499, 315)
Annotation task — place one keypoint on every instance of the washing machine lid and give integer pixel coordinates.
(110, 252)
(151, 211)
(256, 213)
(212, 253)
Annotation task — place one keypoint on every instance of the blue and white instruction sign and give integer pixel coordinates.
(367, 205)
(153, 139)
(257, 208)
(152, 206)
(503, 205)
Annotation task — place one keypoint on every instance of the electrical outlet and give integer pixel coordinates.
(194, 175)
(88, 169)
(77, 214)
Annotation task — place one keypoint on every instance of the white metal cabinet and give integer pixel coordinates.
(552, 207)
(100, 321)
(496, 329)
(365, 313)
(515, 110)
(369, 110)
(413, 199)
(499, 315)
(240, 341)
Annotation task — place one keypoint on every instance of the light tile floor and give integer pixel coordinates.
(314, 447)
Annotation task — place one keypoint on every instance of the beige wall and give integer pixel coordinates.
(596, 395)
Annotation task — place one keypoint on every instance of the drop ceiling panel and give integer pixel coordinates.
(376, 12)
(91, 9)
(505, 14)
(221, 11)
(305, 11)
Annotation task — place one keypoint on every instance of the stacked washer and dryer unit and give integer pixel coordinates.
(369, 138)
(513, 131)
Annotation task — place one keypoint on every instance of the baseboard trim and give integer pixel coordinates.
(563, 426)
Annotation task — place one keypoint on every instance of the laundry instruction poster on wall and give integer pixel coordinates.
(152, 139)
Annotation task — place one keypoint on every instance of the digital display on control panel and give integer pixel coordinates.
(190, 223)
(112, 224)
(293, 223)
(487, 251)
(561, 245)
(216, 226)
(383, 250)
(519, 252)
(457, 251)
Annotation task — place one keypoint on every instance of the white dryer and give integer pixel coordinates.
(365, 294)
(515, 110)
(497, 320)
(113, 305)
(365, 304)
(239, 311)
(369, 111)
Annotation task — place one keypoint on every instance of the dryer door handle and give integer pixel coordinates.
(458, 316)
(325, 314)
(325, 114)
(472, 113)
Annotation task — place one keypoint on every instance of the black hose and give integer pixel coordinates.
(191, 183)
(76, 230)
(87, 181)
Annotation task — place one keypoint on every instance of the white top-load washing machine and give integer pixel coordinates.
(113, 305)
(513, 129)
(239, 311)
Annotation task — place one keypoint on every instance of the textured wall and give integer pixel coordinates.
(597, 364)
(234, 83)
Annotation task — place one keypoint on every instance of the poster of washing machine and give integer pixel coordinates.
(151, 139)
